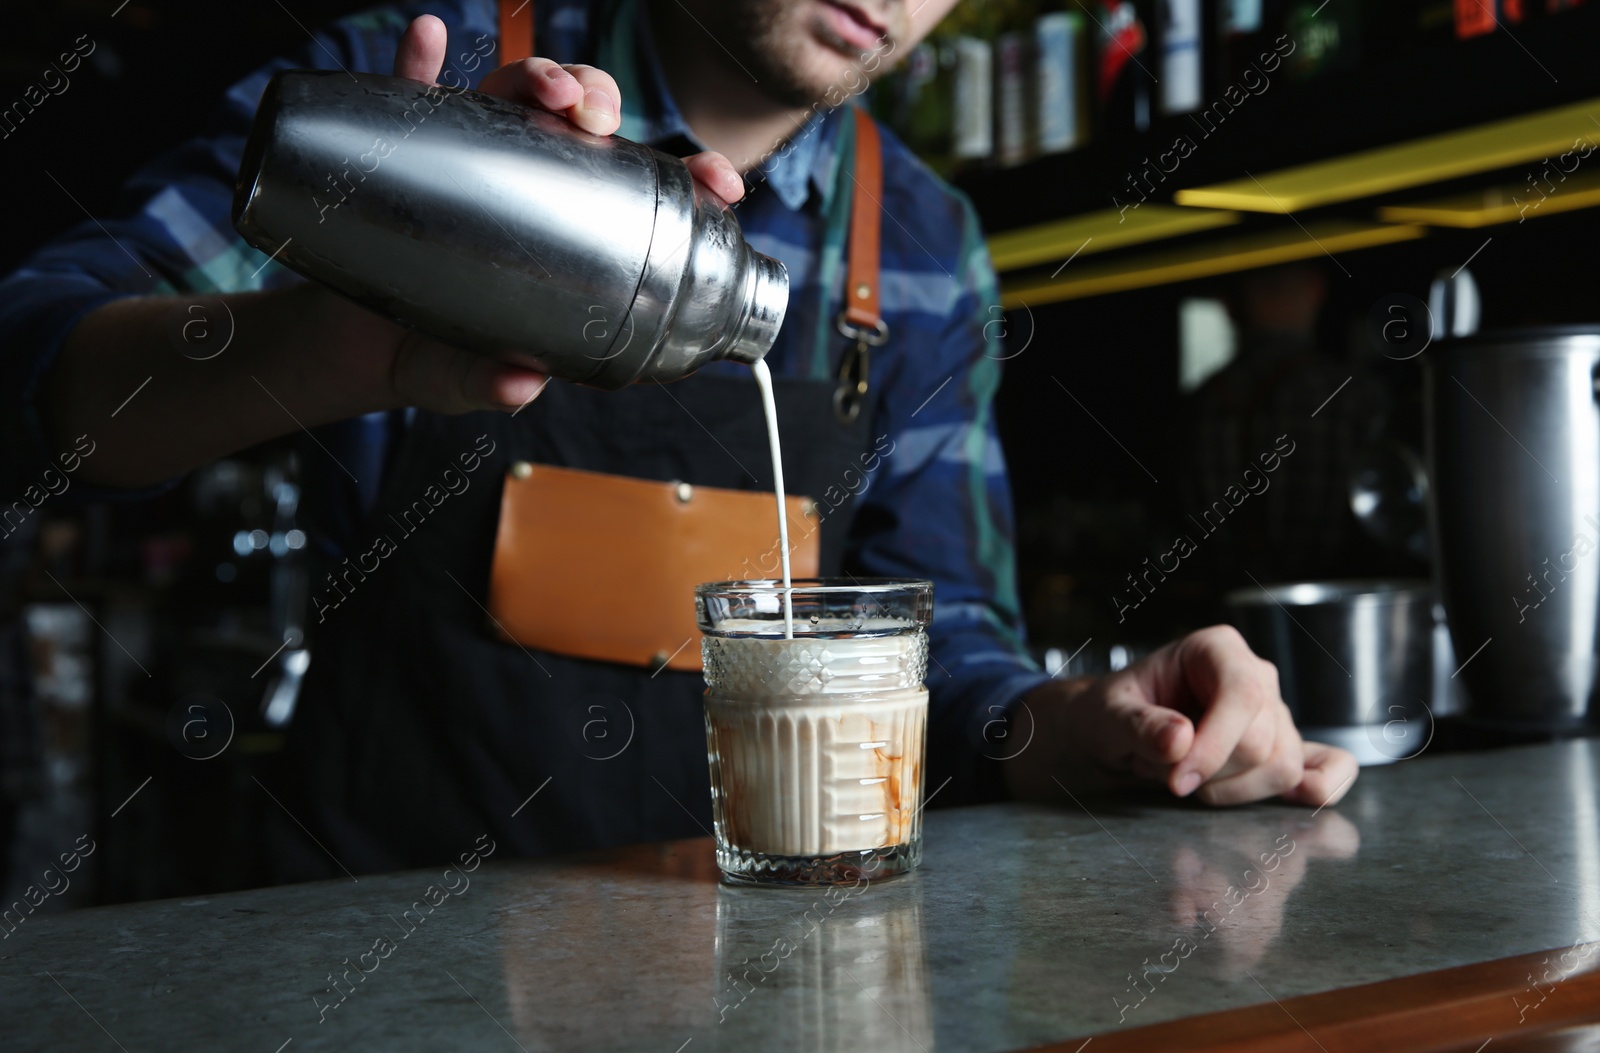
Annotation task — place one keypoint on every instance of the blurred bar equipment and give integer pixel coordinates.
(1354, 658)
(1513, 435)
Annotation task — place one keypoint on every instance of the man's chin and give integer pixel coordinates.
(815, 68)
(829, 77)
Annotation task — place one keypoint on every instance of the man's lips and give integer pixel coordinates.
(851, 25)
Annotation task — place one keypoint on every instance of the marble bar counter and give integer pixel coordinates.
(1025, 926)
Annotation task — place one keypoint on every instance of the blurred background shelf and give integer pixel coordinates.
(1505, 203)
(1101, 231)
(1405, 166)
(1205, 259)
(1373, 76)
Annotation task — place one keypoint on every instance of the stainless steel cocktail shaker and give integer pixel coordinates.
(1513, 425)
(500, 228)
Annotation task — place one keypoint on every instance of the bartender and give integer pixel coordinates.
(424, 721)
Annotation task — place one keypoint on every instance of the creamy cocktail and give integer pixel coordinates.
(816, 741)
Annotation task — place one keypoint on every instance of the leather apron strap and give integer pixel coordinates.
(861, 318)
(516, 31)
(866, 217)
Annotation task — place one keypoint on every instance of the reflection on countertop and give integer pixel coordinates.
(1025, 925)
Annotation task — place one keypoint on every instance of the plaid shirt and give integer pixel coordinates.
(937, 507)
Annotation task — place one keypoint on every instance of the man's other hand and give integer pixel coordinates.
(1202, 715)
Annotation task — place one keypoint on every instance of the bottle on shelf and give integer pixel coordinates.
(1252, 45)
(1183, 56)
(1240, 16)
(1327, 37)
(1475, 18)
(1124, 82)
(1061, 77)
(972, 124)
(1013, 57)
(916, 101)
(1444, 22)
(1432, 22)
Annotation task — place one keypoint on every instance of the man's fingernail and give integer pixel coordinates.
(598, 101)
(524, 393)
(1187, 783)
(556, 75)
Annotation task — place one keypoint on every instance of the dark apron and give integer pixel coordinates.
(418, 730)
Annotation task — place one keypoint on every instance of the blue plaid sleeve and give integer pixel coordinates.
(173, 232)
(940, 508)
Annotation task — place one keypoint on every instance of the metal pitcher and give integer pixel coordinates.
(1513, 428)
(503, 229)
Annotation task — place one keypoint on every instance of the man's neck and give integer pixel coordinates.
(719, 101)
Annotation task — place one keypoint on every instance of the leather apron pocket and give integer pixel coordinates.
(604, 567)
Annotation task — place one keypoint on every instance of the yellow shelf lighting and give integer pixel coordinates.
(1100, 231)
(1499, 144)
(1186, 263)
(1501, 204)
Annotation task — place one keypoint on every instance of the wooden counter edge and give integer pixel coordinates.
(1435, 1011)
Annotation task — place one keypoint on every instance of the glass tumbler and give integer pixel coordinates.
(816, 741)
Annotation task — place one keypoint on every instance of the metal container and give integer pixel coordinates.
(1513, 432)
(503, 229)
(1354, 658)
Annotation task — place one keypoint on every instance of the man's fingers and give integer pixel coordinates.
(718, 175)
(1149, 770)
(599, 110)
(1258, 742)
(1138, 736)
(1328, 774)
(1278, 772)
(535, 82)
(1243, 745)
(1236, 688)
(586, 96)
(447, 379)
(511, 387)
(420, 55)
(477, 382)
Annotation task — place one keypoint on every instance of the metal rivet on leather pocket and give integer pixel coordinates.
(521, 469)
(684, 492)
